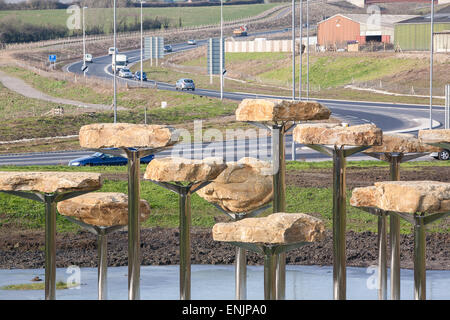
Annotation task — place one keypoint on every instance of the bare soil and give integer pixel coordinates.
(160, 246)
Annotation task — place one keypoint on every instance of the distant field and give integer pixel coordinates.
(189, 16)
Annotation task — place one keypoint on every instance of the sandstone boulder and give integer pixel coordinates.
(280, 110)
(434, 136)
(103, 209)
(333, 134)
(180, 169)
(49, 182)
(405, 196)
(116, 135)
(242, 187)
(277, 228)
(404, 143)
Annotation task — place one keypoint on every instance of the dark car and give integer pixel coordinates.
(137, 76)
(168, 48)
(103, 159)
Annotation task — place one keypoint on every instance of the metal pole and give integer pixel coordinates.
(339, 224)
(279, 200)
(221, 49)
(293, 49)
(241, 274)
(185, 244)
(142, 31)
(50, 248)
(114, 71)
(394, 236)
(133, 225)
(382, 254)
(102, 252)
(84, 43)
(431, 62)
(307, 49)
(419, 259)
(301, 51)
(270, 263)
(447, 106)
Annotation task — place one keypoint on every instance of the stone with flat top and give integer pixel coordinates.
(49, 182)
(277, 229)
(103, 209)
(184, 170)
(126, 135)
(434, 136)
(334, 134)
(402, 143)
(404, 196)
(280, 110)
(242, 187)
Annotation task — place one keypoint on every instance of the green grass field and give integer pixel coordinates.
(190, 16)
(26, 214)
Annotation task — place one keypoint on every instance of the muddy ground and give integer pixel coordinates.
(24, 249)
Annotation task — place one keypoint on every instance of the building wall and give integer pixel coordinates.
(416, 37)
(442, 42)
(337, 30)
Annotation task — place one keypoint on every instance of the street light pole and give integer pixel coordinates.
(431, 62)
(301, 51)
(114, 57)
(142, 34)
(84, 44)
(293, 49)
(307, 48)
(221, 49)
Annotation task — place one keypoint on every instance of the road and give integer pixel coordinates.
(387, 116)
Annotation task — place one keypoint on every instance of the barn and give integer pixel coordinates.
(414, 34)
(339, 29)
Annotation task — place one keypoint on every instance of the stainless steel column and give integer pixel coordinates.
(185, 244)
(339, 224)
(382, 256)
(270, 263)
(134, 241)
(102, 251)
(50, 247)
(394, 235)
(279, 200)
(241, 274)
(419, 259)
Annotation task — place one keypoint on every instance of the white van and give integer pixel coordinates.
(121, 61)
(111, 51)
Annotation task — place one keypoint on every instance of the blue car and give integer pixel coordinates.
(137, 76)
(103, 159)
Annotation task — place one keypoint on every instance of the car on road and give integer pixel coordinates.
(137, 76)
(443, 155)
(103, 159)
(168, 48)
(125, 73)
(192, 42)
(88, 57)
(185, 84)
(111, 51)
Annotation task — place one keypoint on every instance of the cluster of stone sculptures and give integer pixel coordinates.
(243, 189)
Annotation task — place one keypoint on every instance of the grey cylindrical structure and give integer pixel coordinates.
(185, 244)
(339, 224)
(134, 241)
(382, 257)
(270, 263)
(419, 260)
(394, 235)
(241, 273)
(50, 248)
(279, 200)
(293, 49)
(102, 251)
(114, 69)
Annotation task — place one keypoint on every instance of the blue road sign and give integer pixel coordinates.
(52, 58)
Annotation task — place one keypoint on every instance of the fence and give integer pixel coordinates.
(264, 16)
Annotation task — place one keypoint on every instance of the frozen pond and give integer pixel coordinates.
(216, 282)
